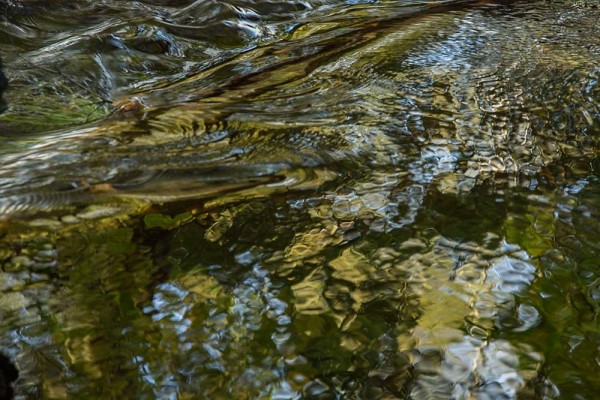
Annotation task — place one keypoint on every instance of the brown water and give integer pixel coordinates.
(309, 199)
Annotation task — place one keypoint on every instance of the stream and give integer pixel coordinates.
(301, 199)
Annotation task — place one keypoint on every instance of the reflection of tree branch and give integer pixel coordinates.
(98, 105)
(103, 100)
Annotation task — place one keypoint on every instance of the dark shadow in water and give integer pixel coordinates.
(8, 374)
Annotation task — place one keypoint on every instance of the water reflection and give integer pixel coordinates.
(315, 199)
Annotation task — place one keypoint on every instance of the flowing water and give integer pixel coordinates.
(317, 199)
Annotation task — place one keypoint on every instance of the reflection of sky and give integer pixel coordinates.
(452, 363)
(221, 336)
(219, 331)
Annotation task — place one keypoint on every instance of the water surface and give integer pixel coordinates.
(301, 199)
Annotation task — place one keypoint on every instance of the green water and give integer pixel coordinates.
(301, 199)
